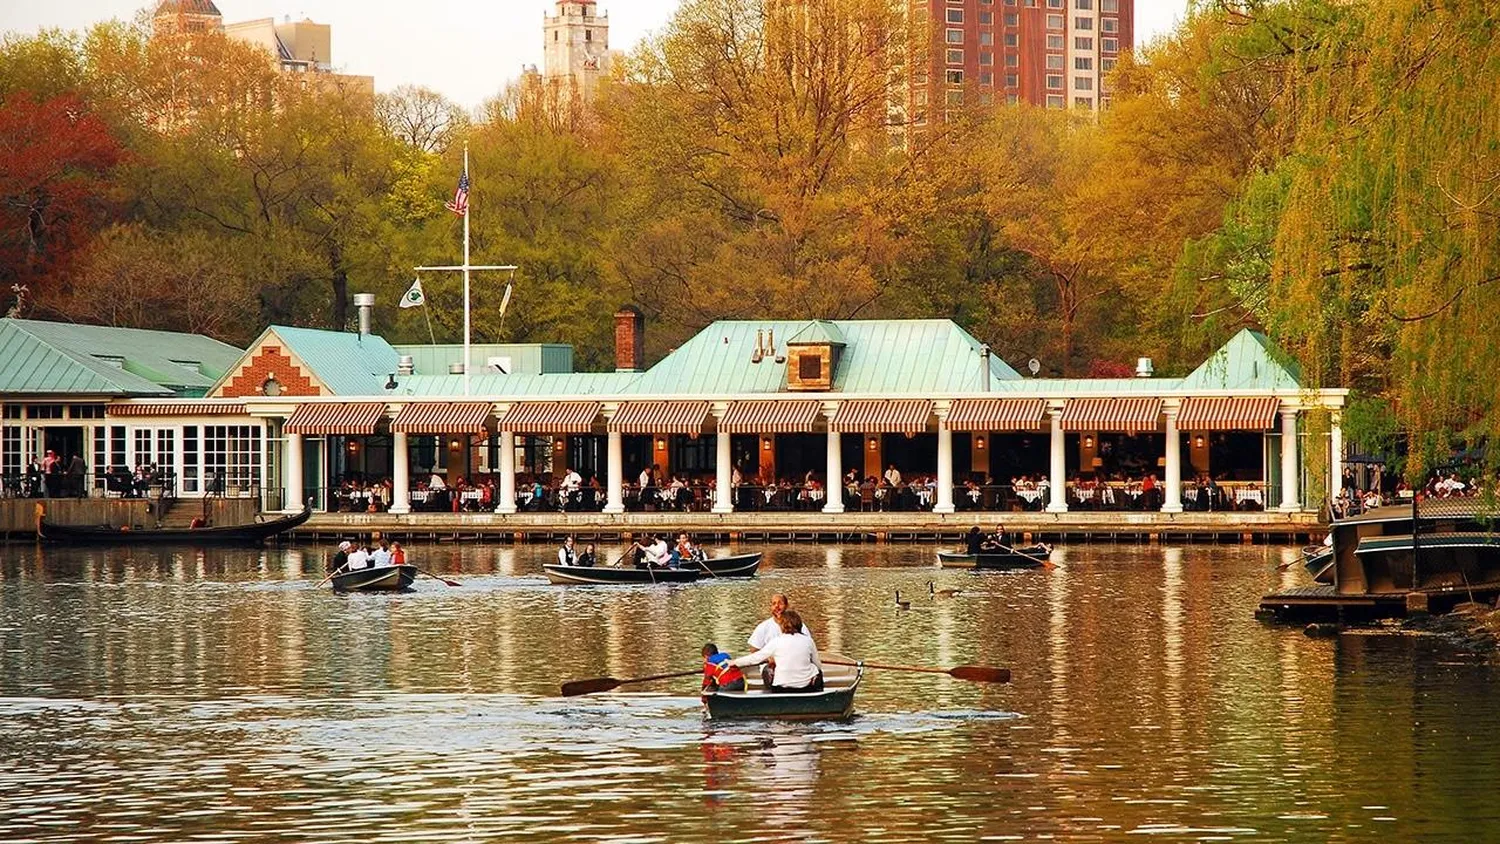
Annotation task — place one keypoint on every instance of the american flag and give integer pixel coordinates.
(460, 203)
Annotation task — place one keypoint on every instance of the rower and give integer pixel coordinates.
(340, 557)
(974, 540)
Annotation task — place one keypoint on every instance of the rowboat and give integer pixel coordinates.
(376, 579)
(618, 575)
(1026, 557)
(246, 534)
(734, 565)
(835, 702)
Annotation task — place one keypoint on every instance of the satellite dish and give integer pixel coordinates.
(1034, 365)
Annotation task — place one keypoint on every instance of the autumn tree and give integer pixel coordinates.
(420, 118)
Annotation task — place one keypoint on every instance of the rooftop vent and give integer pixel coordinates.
(365, 303)
(1143, 368)
(404, 365)
(456, 368)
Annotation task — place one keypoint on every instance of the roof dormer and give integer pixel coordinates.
(813, 355)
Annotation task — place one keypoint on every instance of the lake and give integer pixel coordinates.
(175, 694)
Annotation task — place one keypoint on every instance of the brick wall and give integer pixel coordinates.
(630, 339)
(269, 361)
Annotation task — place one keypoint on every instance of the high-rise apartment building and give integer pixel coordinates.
(1052, 53)
(576, 50)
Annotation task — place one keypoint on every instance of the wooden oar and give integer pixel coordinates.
(604, 684)
(436, 577)
(974, 673)
(330, 576)
(1045, 561)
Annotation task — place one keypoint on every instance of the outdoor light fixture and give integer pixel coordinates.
(453, 445)
(765, 443)
(1198, 441)
(874, 443)
(353, 446)
(271, 387)
(979, 442)
(661, 444)
(558, 444)
(1088, 442)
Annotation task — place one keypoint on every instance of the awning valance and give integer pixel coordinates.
(882, 416)
(329, 418)
(549, 417)
(770, 417)
(996, 414)
(1228, 414)
(1127, 416)
(175, 409)
(431, 417)
(659, 417)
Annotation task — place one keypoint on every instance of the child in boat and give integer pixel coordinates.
(398, 554)
(719, 672)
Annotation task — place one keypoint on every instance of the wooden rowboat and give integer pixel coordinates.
(376, 579)
(247, 534)
(835, 702)
(618, 575)
(1028, 557)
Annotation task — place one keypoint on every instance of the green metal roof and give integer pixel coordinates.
(348, 364)
(60, 358)
(525, 358)
(894, 357)
(1076, 386)
(494, 384)
(818, 331)
(1249, 361)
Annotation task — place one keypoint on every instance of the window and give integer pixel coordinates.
(986, 98)
(1106, 65)
(231, 456)
(1083, 83)
(1054, 80)
(1054, 4)
(1012, 60)
(986, 39)
(1083, 102)
(1055, 62)
(1084, 23)
(117, 456)
(1056, 102)
(155, 446)
(1083, 63)
(1011, 19)
(190, 475)
(955, 77)
(1010, 39)
(1054, 42)
(810, 367)
(85, 411)
(588, 35)
(101, 450)
(1109, 5)
(955, 57)
(1011, 99)
(1011, 80)
(1110, 45)
(1083, 5)
(955, 16)
(1108, 25)
(986, 18)
(955, 36)
(1083, 43)
(986, 78)
(955, 98)
(12, 411)
(986, 58)
(1054, 21)
(12, 458)
(1030, 4)
(44, 411)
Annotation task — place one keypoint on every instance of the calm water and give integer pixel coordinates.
(216, 695)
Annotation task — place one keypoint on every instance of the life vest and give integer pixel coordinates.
(722, 673)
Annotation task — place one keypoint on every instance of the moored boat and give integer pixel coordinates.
(375, 579)
(1027, 557)
(246, 534)
(618, 575)
(835, 702)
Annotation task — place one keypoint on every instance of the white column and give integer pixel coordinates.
(944, 502)
(400, 475)
(724, 474)
(615, 503)
(1173, 502)
(1336, 456)
(291, 474)
(1291, 500)
(1059, 473)
(507, 473)
(834, 488)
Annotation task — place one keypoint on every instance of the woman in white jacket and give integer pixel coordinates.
(798, 668)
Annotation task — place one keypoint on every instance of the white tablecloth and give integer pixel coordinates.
(1244, 495)
(1030, 496)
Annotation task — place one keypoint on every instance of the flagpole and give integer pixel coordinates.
(466, 277)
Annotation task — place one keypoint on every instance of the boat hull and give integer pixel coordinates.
(101, 535)
(617, 575)
(377, 579)
(834, 703)
(735, 565)
(1030, 557)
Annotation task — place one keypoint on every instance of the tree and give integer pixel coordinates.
(420, 118)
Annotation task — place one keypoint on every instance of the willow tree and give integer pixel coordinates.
(1388, 237)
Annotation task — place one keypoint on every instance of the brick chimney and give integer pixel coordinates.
(630, 339)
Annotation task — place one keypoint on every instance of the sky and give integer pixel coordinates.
(466, 49)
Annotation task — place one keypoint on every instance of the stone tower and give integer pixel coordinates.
(186, 16)
(577, 49)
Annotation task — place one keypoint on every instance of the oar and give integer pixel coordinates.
(1045, 561)
(604, 684)
(974, 673)
(331, 575)
(436, 577)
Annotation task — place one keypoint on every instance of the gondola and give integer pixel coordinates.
(254, 532)
(835, 702)
(618, 575)
(376, 579)
(1318, 560)
(734, 565)
(1025, 557)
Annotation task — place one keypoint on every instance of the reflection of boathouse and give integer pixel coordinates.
(312, 414)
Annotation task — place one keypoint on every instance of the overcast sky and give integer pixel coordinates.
(467, 49)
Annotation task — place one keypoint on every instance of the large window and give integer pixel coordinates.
(231, 457)
(955, 36)
(955, 16)
(1055, 81)
(190, 467)
(1054, 21)
(1054, 62)
(11, 455)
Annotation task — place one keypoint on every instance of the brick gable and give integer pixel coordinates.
(269, 361)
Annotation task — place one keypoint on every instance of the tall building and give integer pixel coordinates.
(577, 49)
(1053, 53)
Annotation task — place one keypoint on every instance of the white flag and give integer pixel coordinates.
(505, 302)
(414, 297)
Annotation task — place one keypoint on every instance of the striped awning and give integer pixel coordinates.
(770, 417)
(882, 416)
(435, 417)
(659, 417)
(1228, 414)
(1127, 416)
(996, 414)
(175, 409)
(549, 417)
(329, 418)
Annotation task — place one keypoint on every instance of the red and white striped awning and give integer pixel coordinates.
(763, 416)
(1228, 414)
(882, 416)
(1127, 416)
(549, 417)
(659, 417)
(996, 414)
(323, 419)
(175, 409)
(432, 417)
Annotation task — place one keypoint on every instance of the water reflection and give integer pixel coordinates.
(177, 693)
